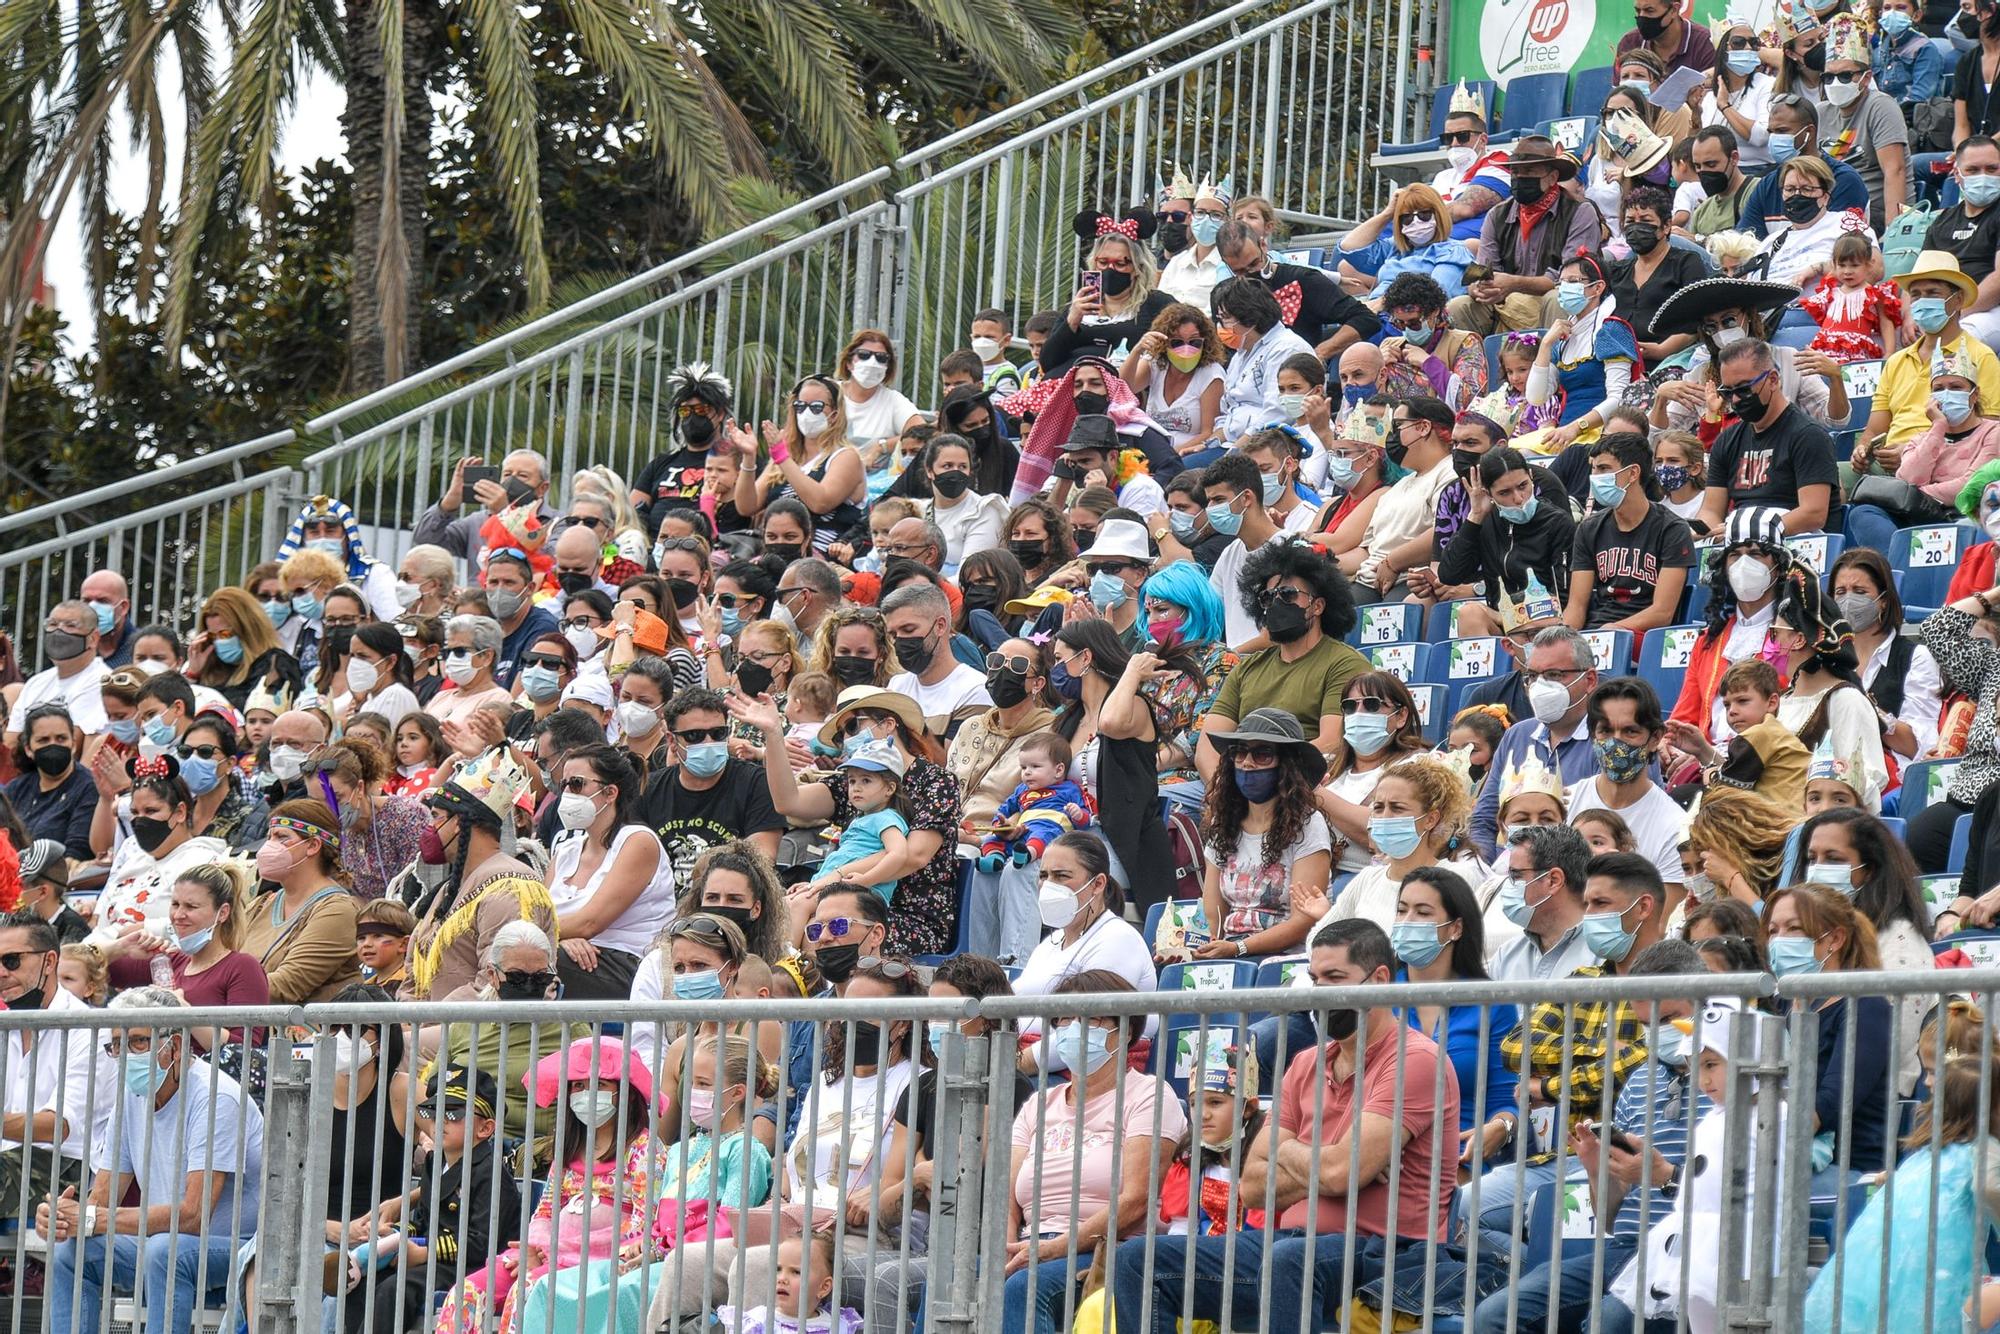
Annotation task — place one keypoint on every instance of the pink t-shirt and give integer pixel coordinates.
(1428, 1153)
(1050, 1137)
(236, 979)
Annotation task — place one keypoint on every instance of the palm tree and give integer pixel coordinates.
(718, 92)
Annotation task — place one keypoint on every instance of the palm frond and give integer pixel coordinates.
(392, 250)
(818, 80)
(508, 78)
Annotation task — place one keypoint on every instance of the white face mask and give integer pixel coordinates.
(986, 349)
(458, 668)
(813, 421)
(636, 719)
(576, 811)
(350, 1055)
(1461, 156)
(1058, 906)
(1842, 94)
(1724, 337)
(1749, 578)
(584, 640)
(1549, 700)
(287, 762)
(408, 594)
(362, 677)
(867, 374)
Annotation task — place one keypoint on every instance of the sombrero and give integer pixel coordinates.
(1683, 311)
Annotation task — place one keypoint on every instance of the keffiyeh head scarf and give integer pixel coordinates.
(1053, 403)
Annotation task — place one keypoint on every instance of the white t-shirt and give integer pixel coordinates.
(1371, 894)
(1256, 896)
(62, 1067)
(634, 929)
(1111, 942)
(1301, 518)
(1853, 730)
(1747, 633)
(1180, 419)
(884, 414)
(1658, 824)
(82, 694)
(963, 687)
(391, 702)
(1406, 511)
(1142, 495)
(1238, 627)
(855, 1120)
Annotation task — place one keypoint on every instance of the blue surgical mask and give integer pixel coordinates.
(1833, 875)
(1353, 394)
(1605, 934)
(1930, 314)
(1204, 229)
(332, 546)
(1340, 471)
(1604, 489)
(279, 611)
(732, 620)
(1894, 23)
(200, 775)
(1979, 191)
(705, 759)
(198, 941)
(107, 616)
(1107, 591)
(1572, 297)
(1639, 86)
(1082, 1048)
(1420, 332)
(1672, 1048)
(1416, 943)
(1368, 733)
(1955, 404)
(540, 683)
(1742, 63)
(1784, 147)
(159, 731)
(700, 986)
(125, 730)
(308, 606)
(938, 1030)
(1514, 905)
(229, 649)
(1224, 520)
(1519, 514)
(1792, 955)
(1274, 486)
(142, 1075)
(1182, 524)
(1394, 836)
(1291, 407)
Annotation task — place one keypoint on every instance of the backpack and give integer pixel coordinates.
(1184, 844)
(1903, 239)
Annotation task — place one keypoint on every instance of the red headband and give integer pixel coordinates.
(1127, 227)
(156, 767)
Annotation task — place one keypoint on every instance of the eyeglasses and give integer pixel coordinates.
(833, 928)
(698, 734)
(1003, 662)
(905, 549)
(206, 752)
(1560, 678)
(1367, 704)
(548, 660)
(115, 1048)
(590, 622)
(890, 969)
(341, 622)
(1804, 192)
(1459, 136)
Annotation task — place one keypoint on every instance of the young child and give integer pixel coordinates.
(1605, 831)
(1040, 325)
(382, 930)
(882, 516)
(1688, 194)
(991, 330)
(1194, 1190)
(1857, 321)
(1479, 727)
(371, 725)
(419, 749)
(958, 369)
(85, 973)
(874, 776)
(1832, 781)
(1045, 806)
(1517, 358)
(804, 1289)
(808, 703)
(1749, 691)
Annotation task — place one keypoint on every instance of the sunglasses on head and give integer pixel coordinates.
(694, 735)
(889, 969)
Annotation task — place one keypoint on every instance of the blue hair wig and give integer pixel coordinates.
(1184, 584)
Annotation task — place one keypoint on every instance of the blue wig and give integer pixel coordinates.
(1184, 584)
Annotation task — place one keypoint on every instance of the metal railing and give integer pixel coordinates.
(1283, 96)
(949, 1192)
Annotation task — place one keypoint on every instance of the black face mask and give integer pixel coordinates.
(36, 996)
(685, 592)
(338, 640)
(1643, 236)
(1174, 237)
(1650, 27)
(1339, 1025)
(739, 915)
(784, 551)
(1713, 183)
(752, 678)
(980, 597)
(697, 430)
(952, 485)
(1815, 59)
(61, 645)
(1746, 405)
(1113, 282)
(1530, 189)
(1284, 623)
(1463, 461)
(1084, 538)
(851, 670)
(149, 833)
(915, 652)
(1030, 554)
(1092, 404)
(865, 1047)
(838, 962)
(54, 760)
(1802, 209)
(1396, 449)
(575, 581)
(1006, 688)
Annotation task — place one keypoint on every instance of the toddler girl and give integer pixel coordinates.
(808, 704)
(804, 1291)
(1857, 321)
(1479, 727)
(875, 837)
(1517, 358)
(419, 749)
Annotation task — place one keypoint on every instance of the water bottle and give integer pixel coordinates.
(163, 971)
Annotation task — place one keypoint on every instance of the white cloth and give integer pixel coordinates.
(1923, 692)
(973, 524)
(1143, 496)
(1903, 949)
(1852, 729)
(1238, 626)
(137, 891)
(1110, 942)
(1250, 381)
(1191, 276)
(393, 701)
(81, 694)
(1406, 511)
(633, 930)
(1371, 894)
(963, 688)
(846, 1143)
(379, 587)
(1600, 189)
(1355, 786)
(1795, 250)
(1657, 822)
(68, 1071)
(1180, 419)
(1753, 103)
(884, 414)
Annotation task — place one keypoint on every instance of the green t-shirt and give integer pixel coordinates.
(1308, 689)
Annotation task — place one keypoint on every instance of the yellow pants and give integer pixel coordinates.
(1093, 1316)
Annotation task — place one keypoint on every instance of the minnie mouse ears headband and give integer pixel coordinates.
(144, 768)
(1134, 224)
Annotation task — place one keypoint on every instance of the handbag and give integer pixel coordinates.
(1908, 505)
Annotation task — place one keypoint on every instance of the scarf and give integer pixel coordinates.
(1053, 403)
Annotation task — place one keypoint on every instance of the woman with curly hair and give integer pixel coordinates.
(1265, 838)
(1738, 841)
(1178, 367)
(1419, 814)
(1038, 536)
(852, 646)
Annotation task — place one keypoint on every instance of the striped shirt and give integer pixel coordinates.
(1654, 1101)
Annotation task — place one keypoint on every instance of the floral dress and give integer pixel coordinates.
(614, 1193)
(387, 845)
(1850, 321)
(1181, 702)
(923, 918)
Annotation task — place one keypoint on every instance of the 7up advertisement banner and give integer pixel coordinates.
(1503, 40)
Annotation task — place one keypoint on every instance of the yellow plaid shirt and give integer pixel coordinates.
(1537, 1049)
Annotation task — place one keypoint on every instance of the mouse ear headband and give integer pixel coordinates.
(1134, 224)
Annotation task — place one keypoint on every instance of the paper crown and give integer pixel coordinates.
(1179, 188)
(1495, 408)
(494, 780)
(1224, 1066)
(1849, 769)
(1846, 39)
(1367, 425)
(271, 695)
(1959, 362)
(1467, 101)
(1721, 26)
(1223, 193)
(1459, 761)
(1528, 776)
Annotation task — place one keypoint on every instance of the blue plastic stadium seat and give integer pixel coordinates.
(1613, 649)
(1929, 556)
(1663, 658)
(1818, 551)
(1440, 104)
(1493, 358)
(1576, 133)
(1923, 783)
(1588, 88)
(1461, 664)
(1961, 843)
(1433, 710)
(1386, 623)
(1402, 661)
(1442, 621)
(1530, 100)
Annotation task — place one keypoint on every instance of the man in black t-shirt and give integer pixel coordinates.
(1632, 554)
(1970, 230)
(1311, 301)
(705, 798)
(1773, 455)
(700, 402)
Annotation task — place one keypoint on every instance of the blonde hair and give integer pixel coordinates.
(1440, 789)
(1145, 273)
(734, 1062)
(1954, 1105)
(1260, 208)
(249, 624)
(311, 567)
(1746, 828)
(779, 633)
(226, 884)
(1729, 249)
(604, 485)
(96, 968)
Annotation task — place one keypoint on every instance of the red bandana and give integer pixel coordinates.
(1290, 297)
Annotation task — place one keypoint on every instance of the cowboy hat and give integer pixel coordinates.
(1938, 266)
(1684, 310)
(1538, 150)
(876, 700)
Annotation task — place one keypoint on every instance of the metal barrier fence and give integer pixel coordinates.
(351, 1190)
(1280, 95)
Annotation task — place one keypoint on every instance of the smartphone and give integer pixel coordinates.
(1093, 280)
(1611, 1134)
(477, 473)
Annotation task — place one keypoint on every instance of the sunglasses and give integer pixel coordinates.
(11, 962)
(733, 600)
(548, 660)
(577, 785)
(701, 926)
(585, 521)
(800, 407)
(833, 927)
(879, 358)
(1366, 704)
(1002, 662)
(1176, 215)
(1298, 597)
(1459, 136)
(529, 981)
(206, 752)
(1255, 754)
(1115, 566)
(451, 1116)
(889, 969)
(698, 734)
(681, 544)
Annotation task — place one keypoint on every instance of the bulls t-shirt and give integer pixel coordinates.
(1627, 565)
(1768, 467)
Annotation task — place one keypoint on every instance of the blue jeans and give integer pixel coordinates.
(166, 1294)
(1497, 1192)
(1004, 921)
(1050, 1306)
(1615, 1317)
(1870, 526)
(1281, 1309)
(1574, 1294)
